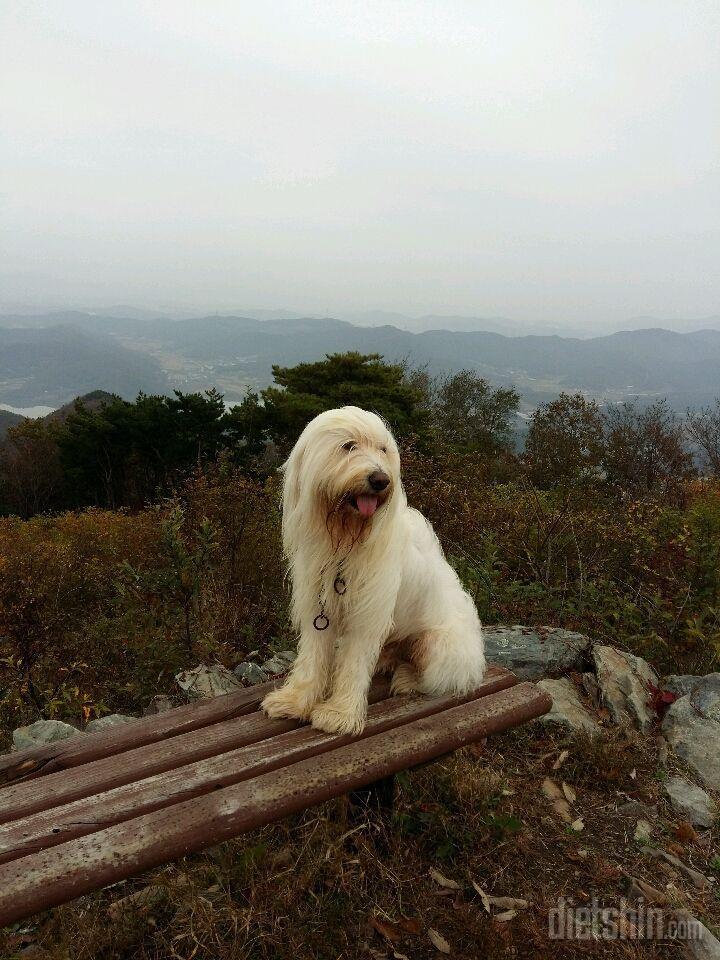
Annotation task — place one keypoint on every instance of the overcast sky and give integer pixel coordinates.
(541, 160)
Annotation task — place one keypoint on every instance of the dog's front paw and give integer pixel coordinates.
(286, 702)
(331, 720)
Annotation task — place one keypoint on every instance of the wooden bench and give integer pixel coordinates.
(83, 813)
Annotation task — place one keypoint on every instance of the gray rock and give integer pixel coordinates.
(698, 942)
(624, 682)
(41, 732)
(159, 704)
(537, 652)
(691, 802)
(634, 810)
(695, 739)
(289, 656)
(706, 697)
(275, 666)
(250, 672)
(111, 720)
(681, 684)
(203, 682)
(567, 709)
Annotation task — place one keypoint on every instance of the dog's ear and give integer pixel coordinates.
(292, 477)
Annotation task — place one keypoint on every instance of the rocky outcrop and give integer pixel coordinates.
(691, 802)
(536, 652)
(203, 682)
(692, 728)
(42, 732)
(111, 720)
(625, 682)
(567, 709)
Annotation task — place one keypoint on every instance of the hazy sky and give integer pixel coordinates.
(537, 159)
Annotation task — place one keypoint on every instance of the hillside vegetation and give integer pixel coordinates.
(151, 542)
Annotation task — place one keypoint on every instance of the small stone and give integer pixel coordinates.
(111, 720)
(139, 902)
(625, 682)
(691, 802)
(275, 666)
(643, 831)
(159, 704)
(42, 732)
(250, 672)
(289, 656)
(203, 682)
(634, 810)
(567, 709)
(698, 942)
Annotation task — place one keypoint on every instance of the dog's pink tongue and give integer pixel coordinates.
(367, 504)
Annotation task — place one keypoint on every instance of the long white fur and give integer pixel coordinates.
(399, 586)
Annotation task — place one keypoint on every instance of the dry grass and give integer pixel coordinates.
(324, 887)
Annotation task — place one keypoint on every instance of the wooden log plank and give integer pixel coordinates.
(24, 799)
(40, 761)
(54, 876)
(58, 824)
(65, 754)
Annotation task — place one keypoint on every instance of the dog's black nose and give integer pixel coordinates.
(378, 480)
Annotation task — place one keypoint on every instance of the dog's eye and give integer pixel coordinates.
(384, 449)
(350, 445)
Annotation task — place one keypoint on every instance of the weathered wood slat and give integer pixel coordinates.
(40, 761)
(24, 799)
(54, 876)
(51, 827)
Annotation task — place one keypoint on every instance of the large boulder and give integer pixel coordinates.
(203, 682)
(536, 652)
(42, 732)
(625, 683)
(705, 697)
(567, 709)
(691, 802)
(681, 684)
(250, 672)
(105, 723)
(695, 737)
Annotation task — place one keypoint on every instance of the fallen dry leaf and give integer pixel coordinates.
(685, 832)
(570, 794)
(577, 825)
(483, 896)
(555, 795)
(443, 881)
(504, 917)
(509, 903)
(410, 925)
(561, 759)
(390, 931)
(438, 941)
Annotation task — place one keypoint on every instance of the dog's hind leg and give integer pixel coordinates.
(448, 663)
(405, 679)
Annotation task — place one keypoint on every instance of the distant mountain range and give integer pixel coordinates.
(49, 363)
(50, 358)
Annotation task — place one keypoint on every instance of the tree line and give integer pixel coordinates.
(126, 454)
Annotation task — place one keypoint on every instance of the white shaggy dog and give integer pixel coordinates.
(371, 588)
